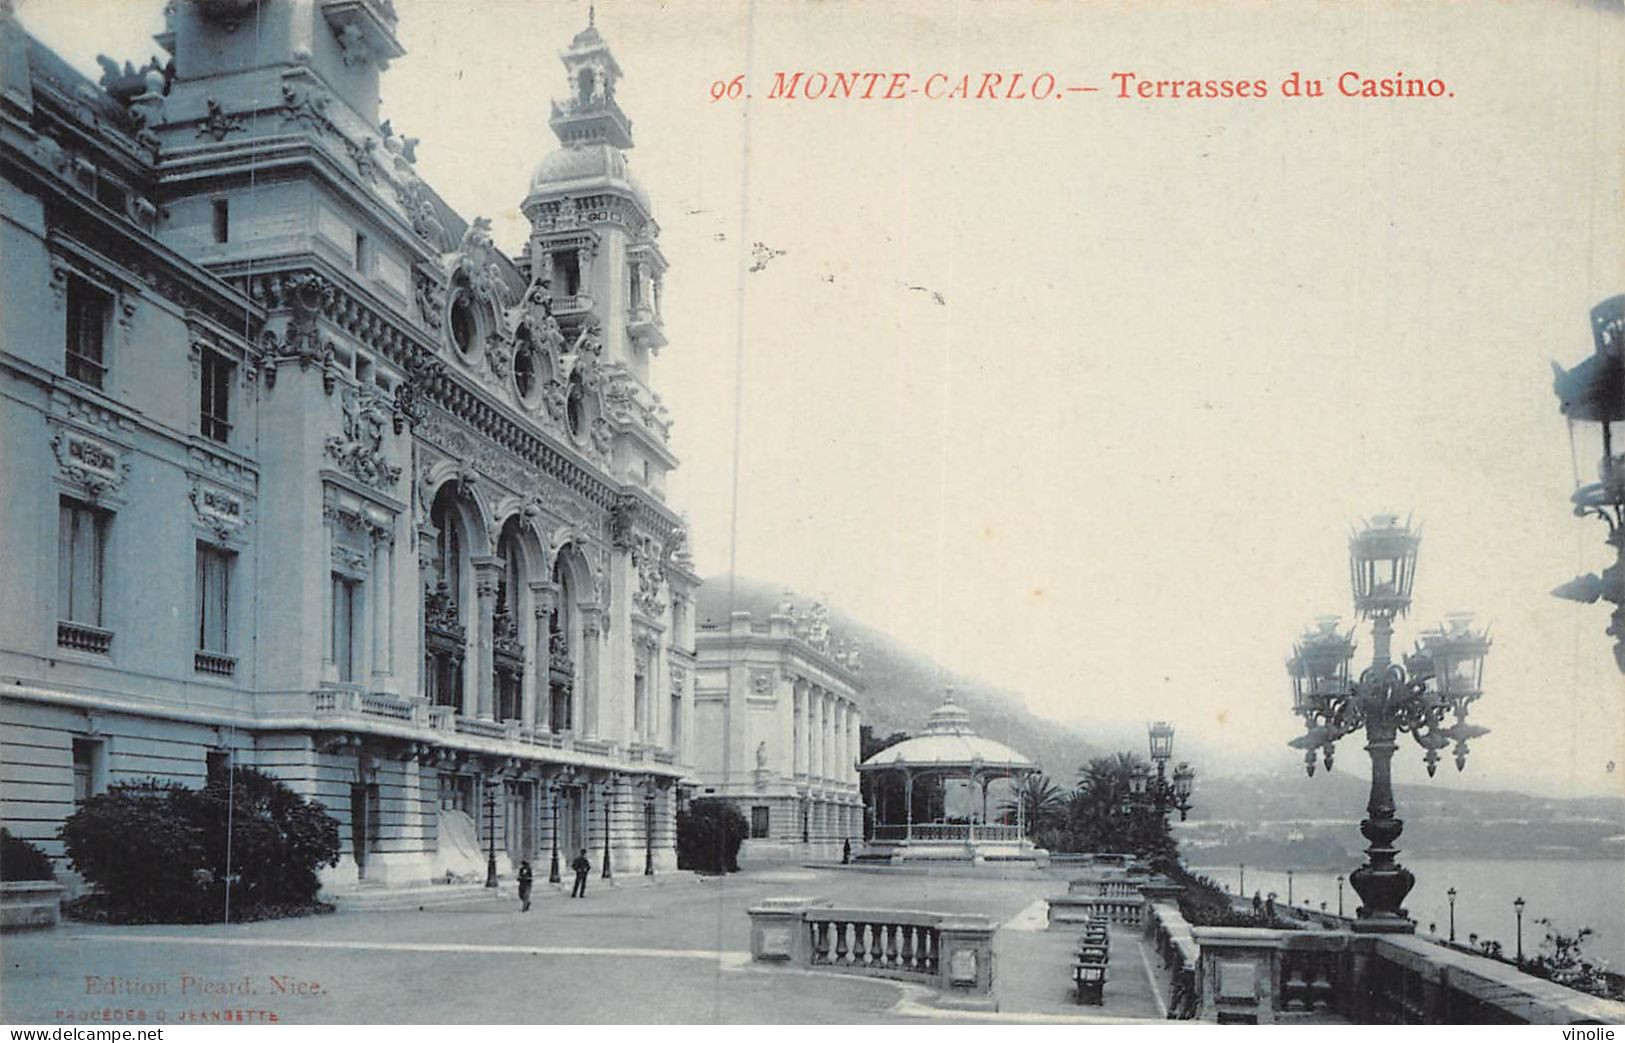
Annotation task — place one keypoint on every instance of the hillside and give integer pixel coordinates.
(1291, 819)
(902, 686)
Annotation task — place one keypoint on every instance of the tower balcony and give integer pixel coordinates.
(572, 305)
(643, 325)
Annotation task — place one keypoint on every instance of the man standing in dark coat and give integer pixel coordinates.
(582, 868)
(526, 878)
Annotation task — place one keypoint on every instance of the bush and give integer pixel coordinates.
(20, 860)
(158, 853)
(709, 833)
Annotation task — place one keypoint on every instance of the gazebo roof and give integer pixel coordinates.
(948, 742)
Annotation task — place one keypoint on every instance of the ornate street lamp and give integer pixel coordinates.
(1593, 392)
(1159, 792)
(1517, 906)
(1339, 894)
(553, 876)
(490, 833)
(1184, 779)
(1443, 678)
(609, 871)
(1162, 742)
(1451, 894)
(649, 829)
(1137, 780)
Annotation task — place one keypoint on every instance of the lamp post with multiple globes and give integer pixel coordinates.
(1593, 392)
(1159, 792)
(1440, 680)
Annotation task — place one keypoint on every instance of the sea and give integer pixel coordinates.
(1572, 894)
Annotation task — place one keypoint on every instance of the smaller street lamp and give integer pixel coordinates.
(609, 871)
(1137, 779)
(1289, 888)
(491, 834)
(1517, 905)
(1451, 894)
(649, 829)
(1340, 894)
(1184, 779)
(1162, 742)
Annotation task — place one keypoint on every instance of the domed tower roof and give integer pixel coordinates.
(592, 130)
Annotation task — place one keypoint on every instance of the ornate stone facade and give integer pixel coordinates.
(777, 703)
(426, 479)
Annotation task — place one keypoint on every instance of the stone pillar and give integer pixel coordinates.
(798, 728)
(854, 745)
(827, 740)
(965, 962)
(544, 597)
(592, 633)
(487, 574)
(816, 764)
(383, 596)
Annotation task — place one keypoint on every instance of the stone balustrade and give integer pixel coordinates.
(951, 953)
(1171, 936)
(1261, 976)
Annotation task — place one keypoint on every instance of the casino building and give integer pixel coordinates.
(303, 473)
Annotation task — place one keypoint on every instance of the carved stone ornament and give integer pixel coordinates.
(431, 298)
(650, 565)
(478, 260)
(97, 468)
(308, 109)
(411, 395)
(679, 678)
(222, 513)
(359, 450)
(216, 123)
(620, 521)
(761, 682)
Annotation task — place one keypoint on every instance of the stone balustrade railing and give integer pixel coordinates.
(1171, 935)
(1262, 976)
(951, 953)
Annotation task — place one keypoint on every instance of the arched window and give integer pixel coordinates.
(445, 636)
(508, 658)
(560, 659)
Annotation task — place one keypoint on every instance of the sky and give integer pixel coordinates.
(1082, 395)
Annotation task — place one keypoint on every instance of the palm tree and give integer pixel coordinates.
(1040, 801)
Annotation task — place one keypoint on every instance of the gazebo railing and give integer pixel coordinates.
(950, 832)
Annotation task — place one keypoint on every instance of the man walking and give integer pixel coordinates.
(582, 868)
(526, 878)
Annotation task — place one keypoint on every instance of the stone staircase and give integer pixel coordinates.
(375, 897)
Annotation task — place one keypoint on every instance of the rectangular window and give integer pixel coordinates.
(80, 551)
(567, 273)
(213, 598)
(760, 820)
(89, 308)
(216, 765)
(346, 605)
(677, 722)
(363, 259)
(222, 220)
(88, 771)
(640, 707)
(215, 409)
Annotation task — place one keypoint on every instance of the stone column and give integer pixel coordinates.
(815, 733)
(856, 748)
(383, 596)
(487, 573)
(592, 632)
(544, 597)
(798, 728)
(826, 741)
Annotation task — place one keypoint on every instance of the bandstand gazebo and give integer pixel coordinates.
(952, 751)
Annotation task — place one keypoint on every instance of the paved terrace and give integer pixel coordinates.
(668, 950)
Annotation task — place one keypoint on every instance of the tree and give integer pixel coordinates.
(1040, 802)
(20, 860)
(1562, 959)
(709, 833)
(160, 852)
